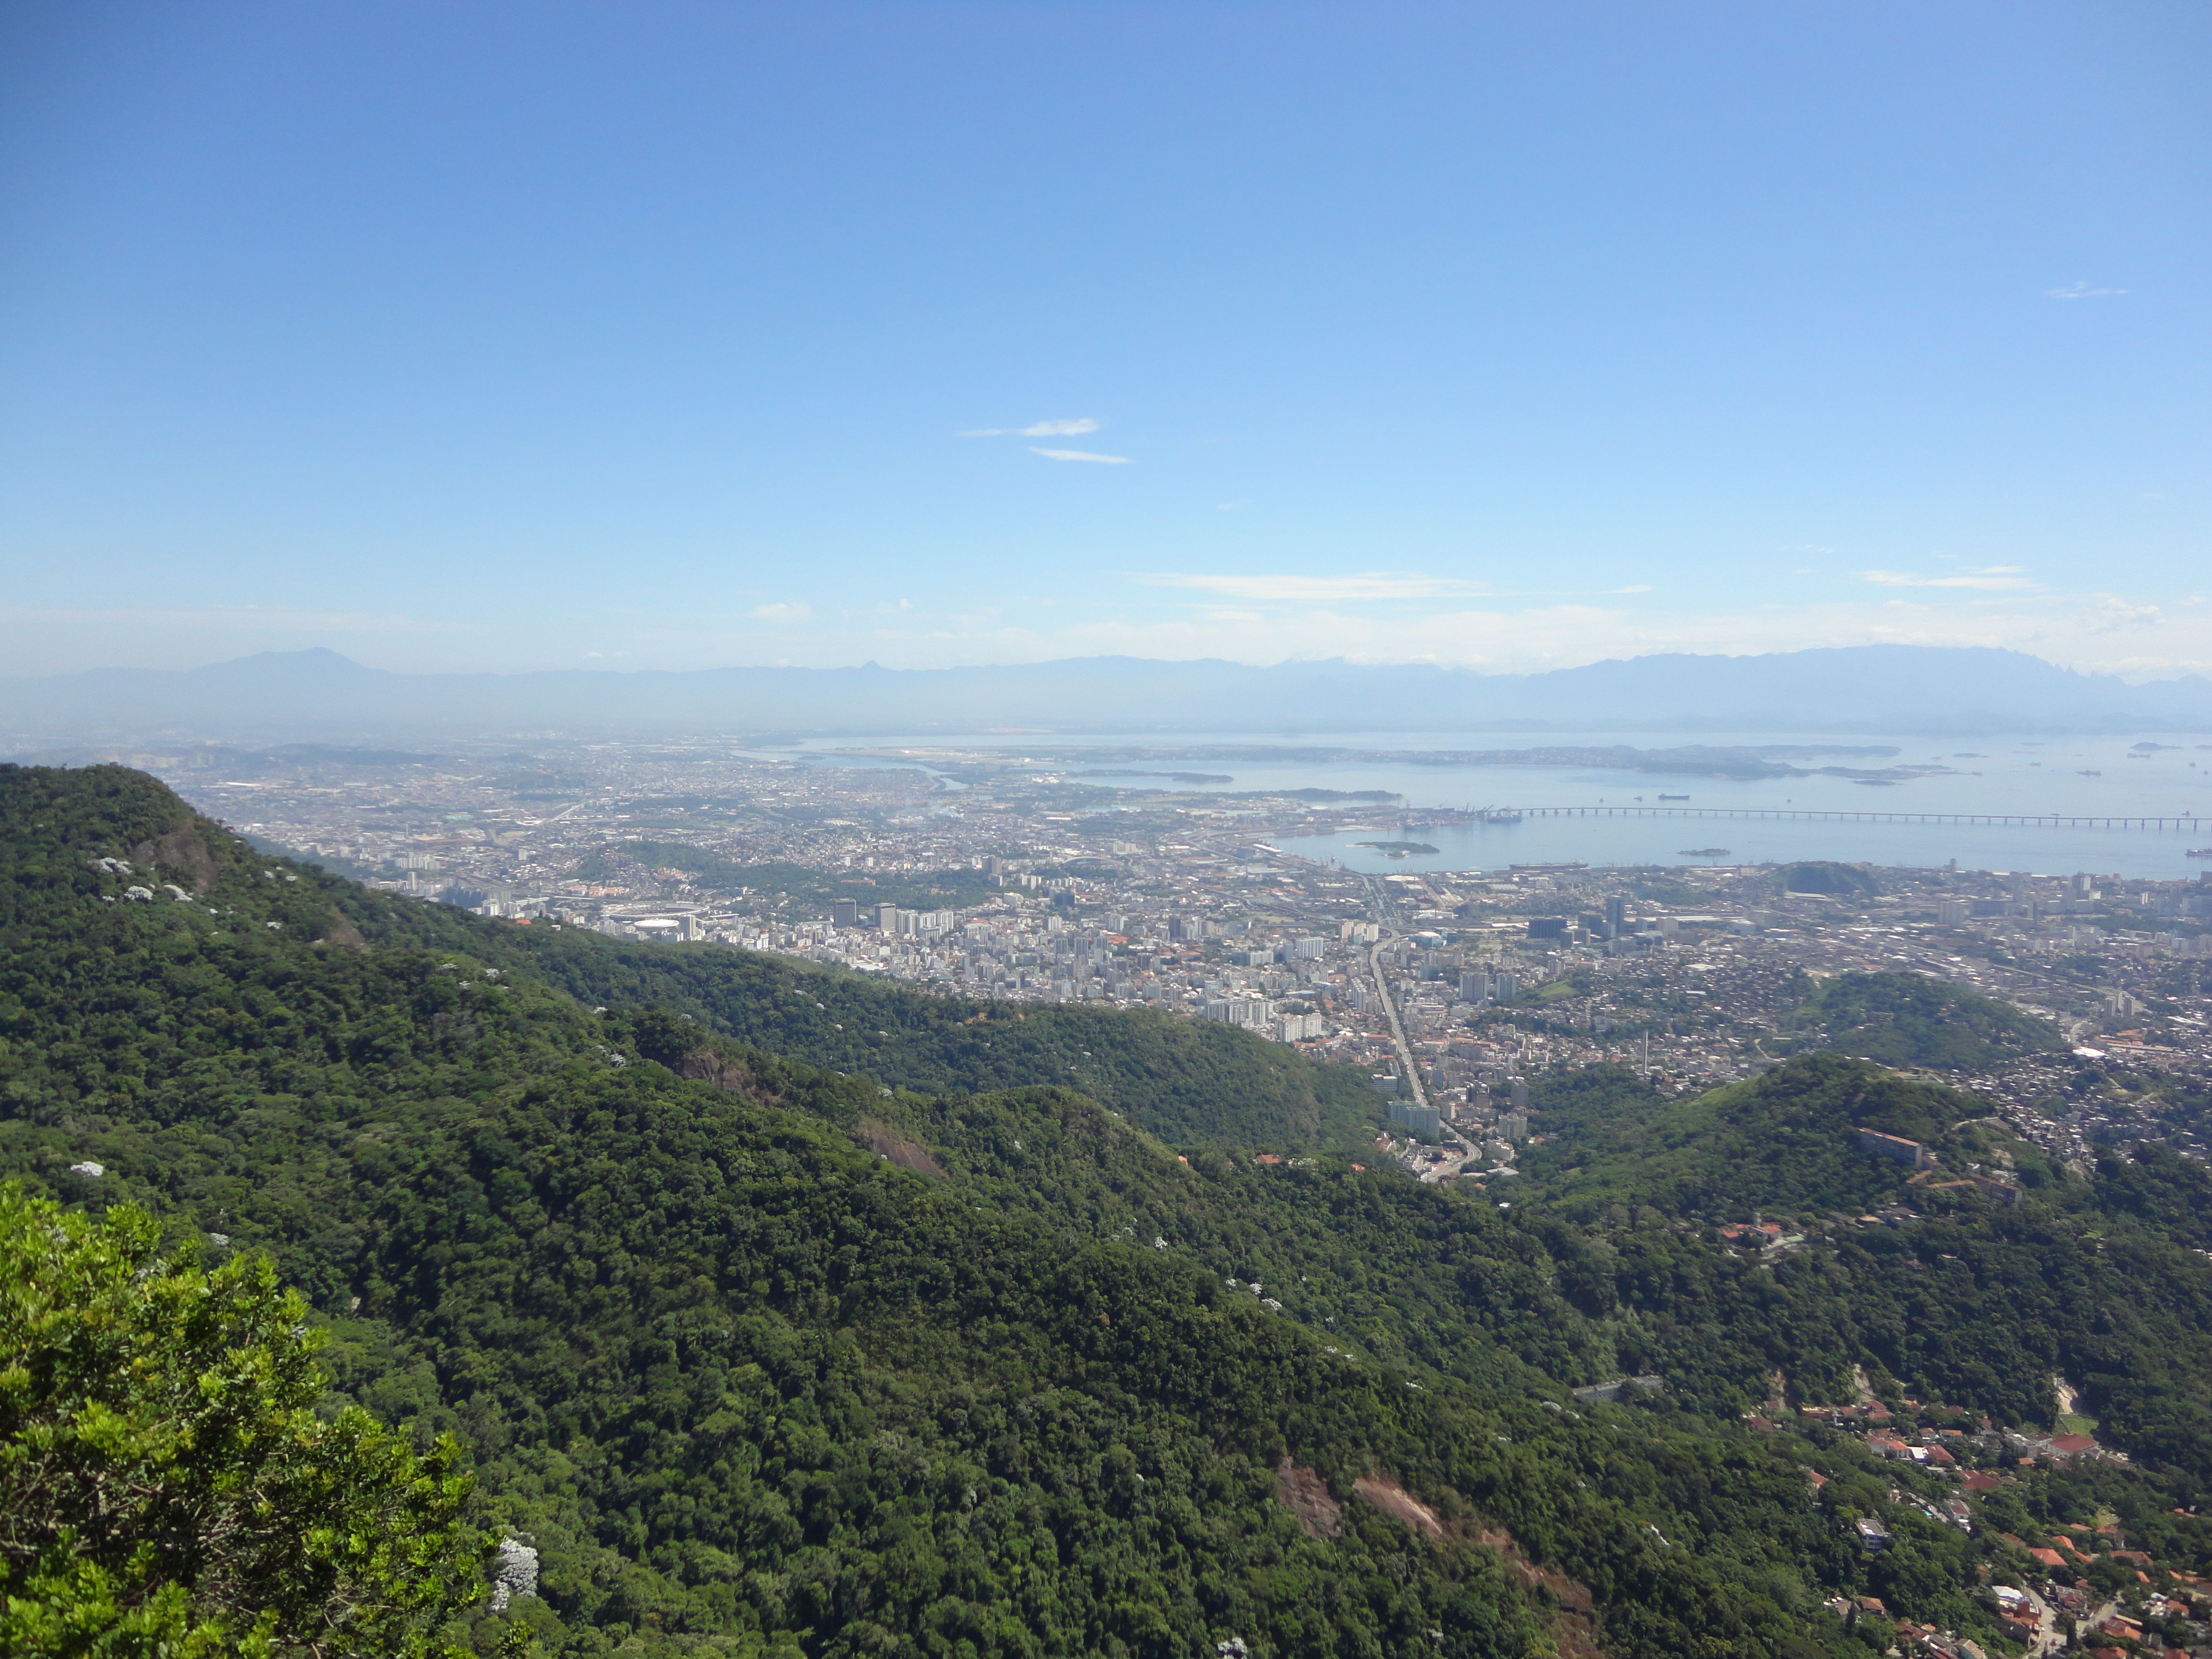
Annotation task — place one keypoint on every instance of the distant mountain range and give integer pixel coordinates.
(319, 694)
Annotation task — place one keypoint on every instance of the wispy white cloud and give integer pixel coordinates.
(1991, 578)
(2108, 613)
(1074, 428)
(1366, 584)
(781, 613)
(1080, 455)
(2082, 291)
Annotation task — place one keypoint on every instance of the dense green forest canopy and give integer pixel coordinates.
(1786, 1140)
(773, 1352)
(1826, 877)
(1915, 1019)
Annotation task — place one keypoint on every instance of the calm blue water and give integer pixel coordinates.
(1996, 775)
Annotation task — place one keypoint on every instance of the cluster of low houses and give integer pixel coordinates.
(2031, 1617)
(2024, 1615)
(1939, 1449)
(2021, 1616)
(1944, 1645)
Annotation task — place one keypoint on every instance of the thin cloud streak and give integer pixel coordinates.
(1994, 578)
(2083, 291)
(1366, 584)
(1081, 455)
(1070, 428)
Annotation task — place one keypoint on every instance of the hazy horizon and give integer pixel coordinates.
(493, 337)
(312, 653)
(320, 695)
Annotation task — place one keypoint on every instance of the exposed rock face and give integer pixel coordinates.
(181, 848)
(705, 1065)
(902, 1149)
(1574, 1620)
(1395, 1501)
(1306, 1496)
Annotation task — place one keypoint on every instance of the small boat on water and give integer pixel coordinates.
(2093, 775)
(1703, 852)
(2198, 852)
(1674, 798)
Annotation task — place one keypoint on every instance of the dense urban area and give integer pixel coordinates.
(993, 877)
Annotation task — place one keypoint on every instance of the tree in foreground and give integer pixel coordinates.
(166, 1486)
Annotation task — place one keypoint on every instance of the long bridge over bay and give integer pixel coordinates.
(2186, 822)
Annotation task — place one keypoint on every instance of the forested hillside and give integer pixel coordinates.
(769, 1355)
(1186, 1079)
(1913, 1019)
(1786, 1140)
(1955, 1296)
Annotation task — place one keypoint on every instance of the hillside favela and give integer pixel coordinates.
(1100, 831)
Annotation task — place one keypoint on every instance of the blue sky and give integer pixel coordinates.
(473, 335)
